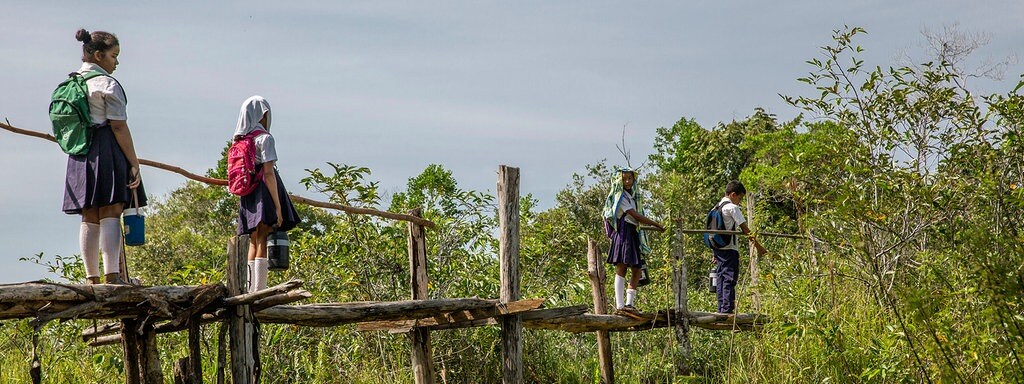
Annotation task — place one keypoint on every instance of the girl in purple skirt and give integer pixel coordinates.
(101, 183)
(623, 213)
(267, 208)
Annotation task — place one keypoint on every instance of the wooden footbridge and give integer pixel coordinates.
(136, 314)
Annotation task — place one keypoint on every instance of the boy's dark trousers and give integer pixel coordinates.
(727, 265)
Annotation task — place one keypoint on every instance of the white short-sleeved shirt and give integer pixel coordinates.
(626, 203)
(265, 149)
(732, 215)
(107, 100)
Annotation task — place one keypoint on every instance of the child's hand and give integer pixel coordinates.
(761, 251)
(280, 219)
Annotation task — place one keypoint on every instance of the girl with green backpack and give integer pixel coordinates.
(102, 181)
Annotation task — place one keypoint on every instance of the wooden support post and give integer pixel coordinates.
(222, 352)
(754, 289)
(149, 356)
(595, 270)
(195, 361)
(508, 222)
(240, 319)
(422, 357)
(130, 343)
(181, 371)
(679, 287)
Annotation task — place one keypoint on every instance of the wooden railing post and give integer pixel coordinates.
(195, 361)
(240, 318)
(130, 343)
(508, 222)
(595, 270)
(149, 356)
(679, 287)
(756, 297)
(422, 357)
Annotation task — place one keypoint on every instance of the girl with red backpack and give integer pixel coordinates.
(267, 208)
(101, 183)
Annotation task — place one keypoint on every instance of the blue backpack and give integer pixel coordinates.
(716, 222)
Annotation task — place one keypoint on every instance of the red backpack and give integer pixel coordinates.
(242, 175)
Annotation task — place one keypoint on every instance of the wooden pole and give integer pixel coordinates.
(508, 222)
(756, 297)
(130, 343)
(195, 361)
(679, 287)
(240, 327)
(222, 182)
(422, 357)
(724, 232)
(222, 352)
(180, 371)
(149, 356)
(595, 270)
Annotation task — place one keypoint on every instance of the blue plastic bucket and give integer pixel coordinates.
(134, 227)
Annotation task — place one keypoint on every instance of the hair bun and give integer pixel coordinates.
(84, 36)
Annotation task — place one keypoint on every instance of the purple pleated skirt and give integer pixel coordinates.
(625, 247)
(100, 177)
(258, 207)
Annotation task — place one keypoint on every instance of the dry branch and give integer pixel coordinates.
(591, 322)
(249, 298)
(328, 315)
(453, 319)
(222, 182)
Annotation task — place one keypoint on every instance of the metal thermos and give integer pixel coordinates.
(713, 281)
(277, 250)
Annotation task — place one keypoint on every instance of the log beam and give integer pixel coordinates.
(329, 315)
(452, 320)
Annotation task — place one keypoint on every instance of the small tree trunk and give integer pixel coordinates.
(595, 270)
(422, 357)
(508, 221)
(679, 287)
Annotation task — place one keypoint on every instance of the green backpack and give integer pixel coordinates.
(69, 113)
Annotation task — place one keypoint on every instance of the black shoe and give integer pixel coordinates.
(630, 311)
(114, 278)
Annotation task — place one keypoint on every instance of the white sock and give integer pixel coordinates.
(620, 286)
(110, 244)
(89, 240)
(630, 296)
(262, 266)
(251, 277)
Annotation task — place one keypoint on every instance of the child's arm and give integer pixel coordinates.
(270, 178)
(644, 220)
(124, 140)
(757, 245)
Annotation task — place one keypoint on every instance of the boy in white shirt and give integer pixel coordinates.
(727, 259)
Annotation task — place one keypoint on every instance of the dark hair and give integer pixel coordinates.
(735, 186)
(98, 41)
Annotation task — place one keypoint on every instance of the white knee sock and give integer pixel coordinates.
(620, 287)
(261, 272)
(110, 244)
(89, 240)
(630, 296)
(251, 282)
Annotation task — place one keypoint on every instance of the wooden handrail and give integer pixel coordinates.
(727, 232)
(221, 182)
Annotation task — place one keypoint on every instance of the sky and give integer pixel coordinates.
(396, 86)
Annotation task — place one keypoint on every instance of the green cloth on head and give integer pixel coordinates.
(611, 203)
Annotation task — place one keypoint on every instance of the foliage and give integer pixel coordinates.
(907, 185)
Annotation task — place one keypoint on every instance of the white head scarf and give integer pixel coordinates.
(250, 115)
